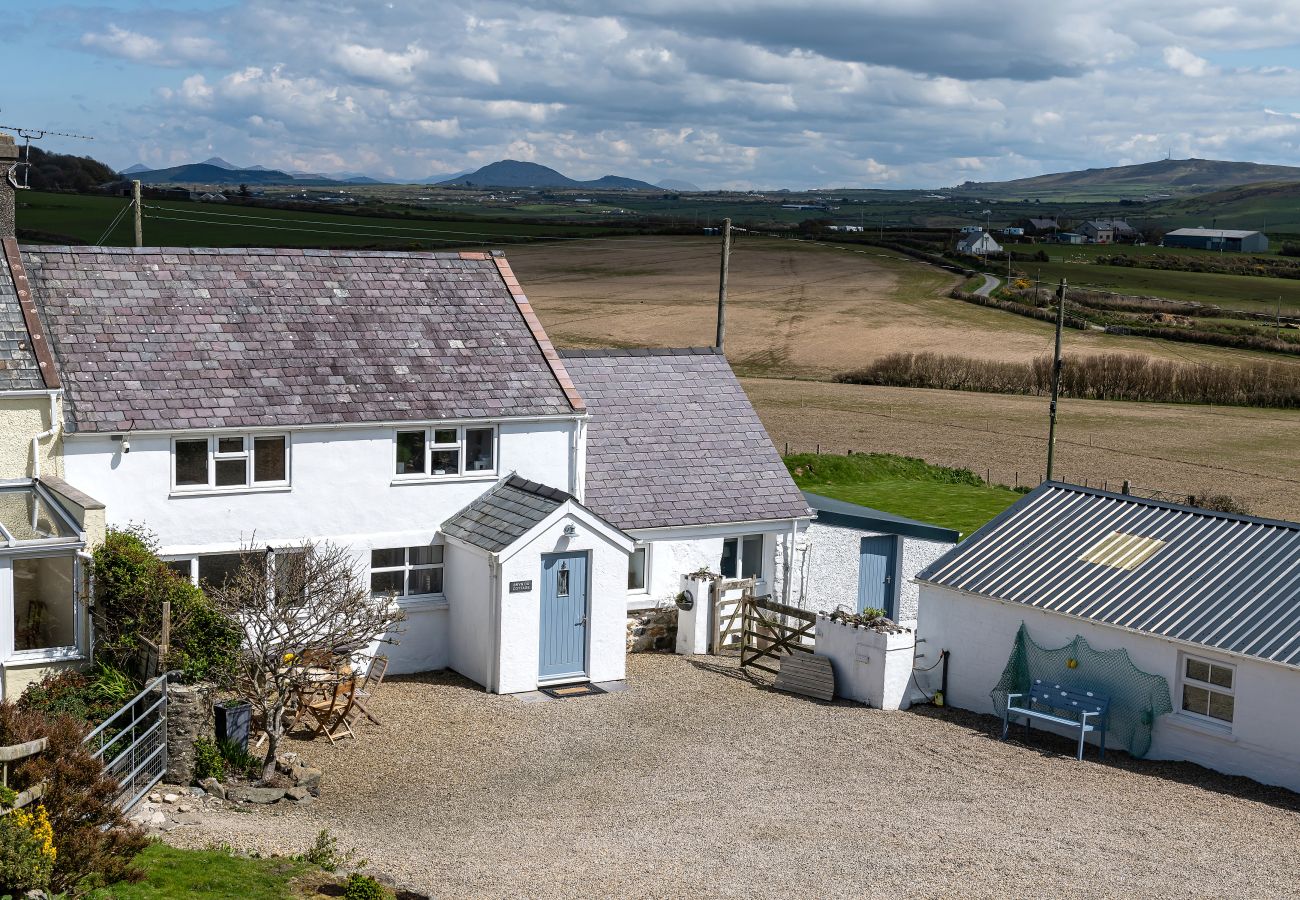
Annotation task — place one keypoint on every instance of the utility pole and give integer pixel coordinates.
(722, 281)
(1056, 379)
(139, 224)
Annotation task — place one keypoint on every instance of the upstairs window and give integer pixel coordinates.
(445, 451)
(230, 461)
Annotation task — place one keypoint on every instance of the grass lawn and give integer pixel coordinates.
(171, 873)
(951, 498)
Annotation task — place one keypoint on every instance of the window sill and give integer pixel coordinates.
(469, 477)
(44, 657)
(1200, 726)
(424, 601)
(178, 492)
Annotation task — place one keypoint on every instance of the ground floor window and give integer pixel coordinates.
(742, 557)
(208, 570)
(407, 571)
(1207, 689)
(45, 602)
(637, 568)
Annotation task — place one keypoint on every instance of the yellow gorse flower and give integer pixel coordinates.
(38, 823)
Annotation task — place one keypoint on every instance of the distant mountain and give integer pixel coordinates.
(1181, 177)
(221, 163)
(138, 167)
(674, 184)
(362, 179)
(204, 173)
(512, 173)
(439, 179)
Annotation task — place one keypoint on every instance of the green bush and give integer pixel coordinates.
(131, 585)
(238, 759)
(208, 760)
(324, 852)
(95, 845)
(26, 851)
(363, 887)
(88, 698)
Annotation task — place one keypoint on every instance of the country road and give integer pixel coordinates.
(989, 286)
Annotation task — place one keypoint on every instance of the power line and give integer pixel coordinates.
(107, 231)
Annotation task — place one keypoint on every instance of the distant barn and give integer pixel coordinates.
(1229, 240)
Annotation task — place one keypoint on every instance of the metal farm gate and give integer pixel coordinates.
(132, 743)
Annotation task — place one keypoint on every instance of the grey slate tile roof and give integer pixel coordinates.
(1227, 582)
(673, 440)
(199, 338)
(18, 368)
(498, 518)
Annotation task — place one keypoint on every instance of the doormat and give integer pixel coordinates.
(565, 691)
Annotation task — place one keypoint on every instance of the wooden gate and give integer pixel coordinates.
(772, 631)
(728, 621)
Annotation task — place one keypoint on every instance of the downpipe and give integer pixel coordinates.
(49, 432)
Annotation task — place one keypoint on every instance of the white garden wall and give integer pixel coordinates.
(1264, 740)
(467, 583)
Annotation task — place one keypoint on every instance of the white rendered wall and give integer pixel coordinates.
(343, 489)
(826, 563)
(1264, 743)
(421, 643)
(467, 583)
(870, 666)
(607, 609)
(681, 552)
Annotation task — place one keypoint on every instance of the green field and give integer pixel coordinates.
(184, 224)
(951, 498)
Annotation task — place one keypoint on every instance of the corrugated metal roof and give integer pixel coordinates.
(1211, 232)
(1227, 582)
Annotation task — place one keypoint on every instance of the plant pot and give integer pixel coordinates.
(232, 723)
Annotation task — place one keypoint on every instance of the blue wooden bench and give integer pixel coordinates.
(1049, 702)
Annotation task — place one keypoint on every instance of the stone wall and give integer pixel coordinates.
(189, 717)
(652, 629)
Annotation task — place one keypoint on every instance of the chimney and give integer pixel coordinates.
(8, 164)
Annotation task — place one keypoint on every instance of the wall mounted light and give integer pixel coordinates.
(570, 530)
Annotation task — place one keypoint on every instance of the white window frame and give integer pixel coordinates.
(645, 570)
(740, 540)
(8, 638)
(407, 568)
(1185, 679)
(247, 454)
(430, 448)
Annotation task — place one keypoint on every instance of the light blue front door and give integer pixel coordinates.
(563, 616)
(876, 575)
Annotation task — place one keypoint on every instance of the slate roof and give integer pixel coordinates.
(498, 518)
(1227, 582)
(673, 440)
(19, 370)
(172, 339)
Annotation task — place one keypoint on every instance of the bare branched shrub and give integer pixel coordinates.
(294, 605)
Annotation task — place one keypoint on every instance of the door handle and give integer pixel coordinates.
(581, 623)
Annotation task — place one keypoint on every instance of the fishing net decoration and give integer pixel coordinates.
(1137, 698)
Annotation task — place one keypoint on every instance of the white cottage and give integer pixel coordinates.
(1208, 601)
(410, 408)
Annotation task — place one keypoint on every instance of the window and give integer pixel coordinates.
(1208, 689)
(636, 569)
(445, 451)
(215, 568)
(742, 557)
(44, 603)
(231, 461)
(406, 571)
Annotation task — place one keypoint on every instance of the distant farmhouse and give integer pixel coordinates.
(1107, 231)
(981, 244)
(1043, 226)
(1217, 239)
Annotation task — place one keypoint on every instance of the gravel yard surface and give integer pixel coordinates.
(700, 781)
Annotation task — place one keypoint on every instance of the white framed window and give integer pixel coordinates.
(230, 462)
(46, 606)
(407, 571)
(638, 570)
(445, 451)
(1207, 690)
(742, 557)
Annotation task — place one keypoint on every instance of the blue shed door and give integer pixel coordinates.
(563, 616)
(876, 575)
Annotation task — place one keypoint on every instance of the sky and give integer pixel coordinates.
(739, 94)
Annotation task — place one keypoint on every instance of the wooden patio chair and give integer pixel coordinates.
(334, 711)
(374, 678)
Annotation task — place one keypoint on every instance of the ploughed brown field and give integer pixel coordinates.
(800, 313)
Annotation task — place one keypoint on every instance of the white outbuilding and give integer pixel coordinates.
(1122, 589)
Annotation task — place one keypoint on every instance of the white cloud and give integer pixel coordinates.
(1182, 60)
(135, 46)
(379, 65)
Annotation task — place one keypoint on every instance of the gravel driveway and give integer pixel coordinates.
(698, 781)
